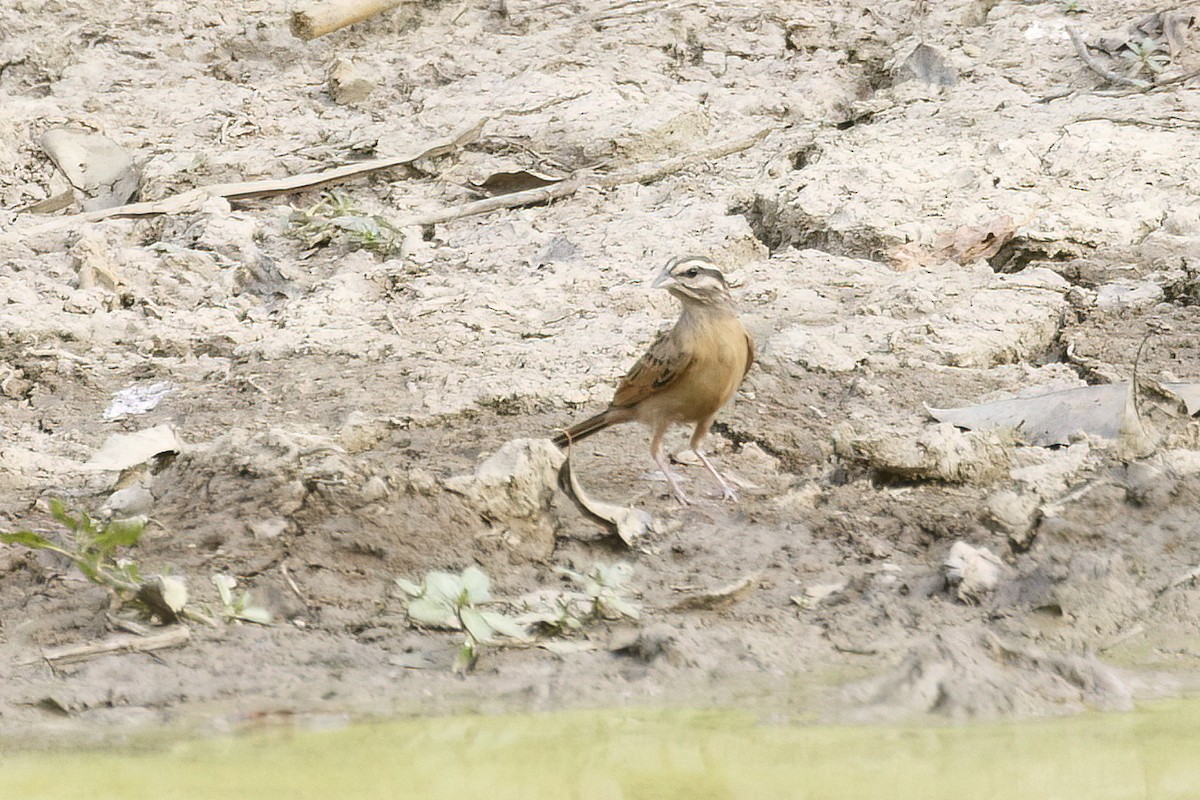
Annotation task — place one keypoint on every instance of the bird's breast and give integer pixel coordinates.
(719, 355)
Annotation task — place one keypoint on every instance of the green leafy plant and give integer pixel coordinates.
(601, 594)
(238, 607)
(1145, 55)
(336, 216)
(92, 548)
(604, 589)
(455, 602)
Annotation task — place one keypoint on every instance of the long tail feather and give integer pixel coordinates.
(582, 430)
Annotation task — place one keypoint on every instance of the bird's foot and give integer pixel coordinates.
(683, 499)
(728, 493)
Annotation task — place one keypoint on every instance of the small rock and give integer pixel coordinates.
(1181, 462)
(347, 85)
(1014, 515)
(1126, 294)
(714, 61)
(99, 168)
(820, 593)
(132, 501)
(361, 433)
(938, 452)
(513, 490)
(270, 528)
(374, 490)
(800, 499)
(645, 644)
(972, 571)
(1147, 485)
(421, 481)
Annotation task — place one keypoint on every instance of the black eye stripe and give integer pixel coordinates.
(707, 272)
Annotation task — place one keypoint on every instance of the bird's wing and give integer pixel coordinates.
(660, 367)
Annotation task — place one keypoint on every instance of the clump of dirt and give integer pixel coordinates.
(350, 415)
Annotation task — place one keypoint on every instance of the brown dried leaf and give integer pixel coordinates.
(516, 181)
(971, 242)
(911, 255)
(962, 245)
(720, 597)
(629, 524)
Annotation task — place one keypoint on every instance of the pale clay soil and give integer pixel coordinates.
(327, 400)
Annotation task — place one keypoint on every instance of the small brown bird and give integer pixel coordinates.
(689, 372)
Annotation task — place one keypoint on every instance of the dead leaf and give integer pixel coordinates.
(1054, 418)
(1189, 393)
(567, 647)
(124, 450)
(1171, 26)
(628, 523)
(962, 245)
(718, 598)
(165, 595)
(516, 181)
(1047, 419)
(972, 242)
(910, 255)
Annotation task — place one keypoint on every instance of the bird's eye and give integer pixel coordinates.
(691, 273)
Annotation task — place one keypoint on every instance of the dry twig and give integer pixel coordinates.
(544, 194)
(194, 199)
(171, 637)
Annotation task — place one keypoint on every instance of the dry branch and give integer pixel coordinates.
(544, 194)
(318, 19)
(194, 199)
(171, 637)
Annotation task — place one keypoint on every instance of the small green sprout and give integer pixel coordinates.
(604, 589)
(602, 595)
(239, 607)
(1146, 55)
(336, 216)
(446, 600)
(92, 547)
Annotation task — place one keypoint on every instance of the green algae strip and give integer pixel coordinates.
(656, 755)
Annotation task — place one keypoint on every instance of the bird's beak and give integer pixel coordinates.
(664, 280)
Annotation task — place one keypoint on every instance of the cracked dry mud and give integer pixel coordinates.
(328, 398)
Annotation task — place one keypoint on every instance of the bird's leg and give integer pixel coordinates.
(656, 450)
(727, 490)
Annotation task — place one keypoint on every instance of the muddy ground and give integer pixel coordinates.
(330, 398)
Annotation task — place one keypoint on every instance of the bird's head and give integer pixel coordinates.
(694, 279)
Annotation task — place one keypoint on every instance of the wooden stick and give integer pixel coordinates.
(193, 199)
(171, 637)
(318, 19)
(568, 187)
